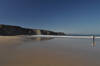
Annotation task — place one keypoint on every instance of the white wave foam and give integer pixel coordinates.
(63, 36)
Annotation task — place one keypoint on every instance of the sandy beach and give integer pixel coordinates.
(18, 51)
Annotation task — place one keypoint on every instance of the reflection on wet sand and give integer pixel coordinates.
(94, 42)
(41, 39)
(37, 38)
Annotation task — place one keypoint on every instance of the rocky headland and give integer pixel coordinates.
(10, 30)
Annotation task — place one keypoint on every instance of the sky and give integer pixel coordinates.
(69, 16)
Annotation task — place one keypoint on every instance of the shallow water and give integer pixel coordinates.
(49, 52)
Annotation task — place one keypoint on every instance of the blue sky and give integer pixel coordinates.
(70, 16)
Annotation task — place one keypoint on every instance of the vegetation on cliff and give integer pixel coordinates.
(8, 30)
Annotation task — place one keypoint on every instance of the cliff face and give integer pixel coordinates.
(8, 30)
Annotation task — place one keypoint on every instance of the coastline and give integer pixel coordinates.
(54, 36)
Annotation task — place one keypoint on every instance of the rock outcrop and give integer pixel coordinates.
(8, 30)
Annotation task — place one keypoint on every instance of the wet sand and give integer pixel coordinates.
(18, 51)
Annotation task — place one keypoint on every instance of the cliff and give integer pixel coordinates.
(8, 30)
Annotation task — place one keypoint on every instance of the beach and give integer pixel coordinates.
(19, 51)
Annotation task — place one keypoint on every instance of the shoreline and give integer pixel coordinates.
(54, 36)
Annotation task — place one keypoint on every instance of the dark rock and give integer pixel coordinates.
(8, 30)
